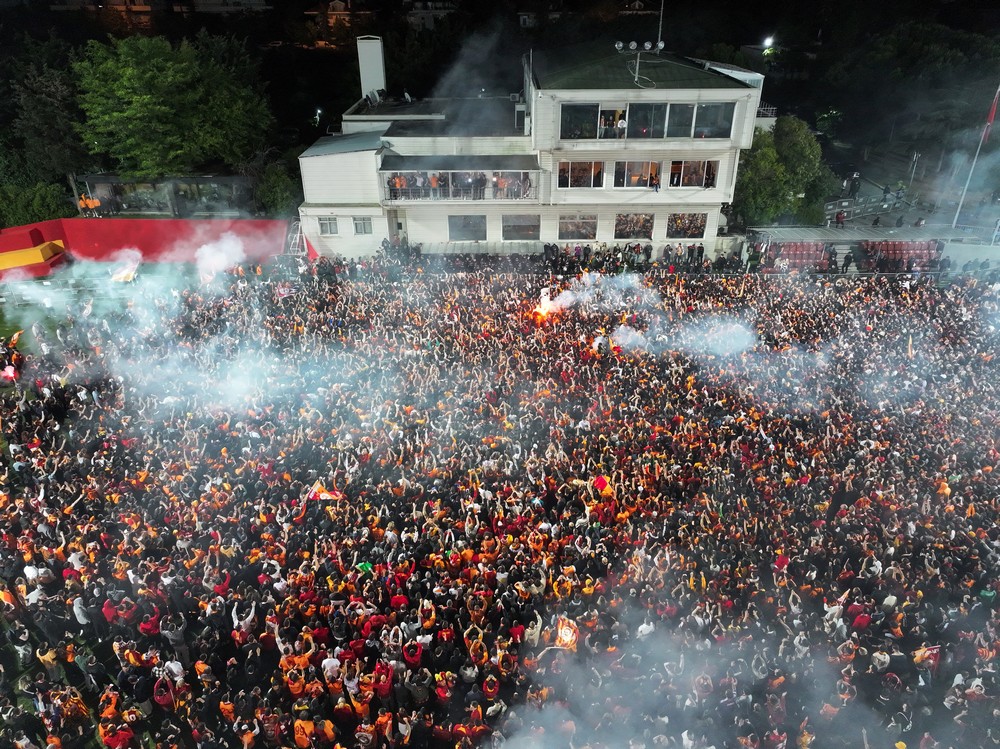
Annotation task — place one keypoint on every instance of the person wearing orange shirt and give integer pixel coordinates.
(303, 730)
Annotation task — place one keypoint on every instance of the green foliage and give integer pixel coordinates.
(277, 193)
(39, 202)
(237, 118)
(159, 109)
(828, 122)
(783, 173)
(24, 198)
(762, 184)
(928, 81)
(46, 122)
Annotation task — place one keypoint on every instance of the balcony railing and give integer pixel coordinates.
(460, 186)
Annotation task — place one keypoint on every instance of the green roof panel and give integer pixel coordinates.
(617, 71)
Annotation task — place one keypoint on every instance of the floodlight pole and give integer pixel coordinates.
(659, 29)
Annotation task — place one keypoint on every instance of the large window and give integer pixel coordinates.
(579, 121)
(679, 120)
(647, 120)
(467, 228)
(362, 224)
(522, 227)
(634, 226)
(642, 120)
(635, 173)
(714, 120)
(327, 226)
(686, 225)
(578, 226)
(610, 117)
(693, 173)
(581, 174)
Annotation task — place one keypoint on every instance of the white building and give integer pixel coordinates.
(591, 150)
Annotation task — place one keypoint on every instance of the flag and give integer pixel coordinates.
(930, 656)
(125, 273)
(567, 633)
(602, 484)
(285, 289)
(15, 338)
(991, 116)
(364, 567)
(318, 491)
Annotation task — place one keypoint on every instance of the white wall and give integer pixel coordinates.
(346, 243)
(430, 224)
(336, 179)
(721, 193)
(546, 113)
(447, 146)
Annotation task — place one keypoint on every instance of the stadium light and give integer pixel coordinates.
(637, 49)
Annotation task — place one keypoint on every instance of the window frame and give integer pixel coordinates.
(536, 225)
(467, 217)
(650, 168)
(577, 218)
(364, 222)
(633, 119)
(679, 172)
(650, 217)
(728, 106)
(323, 232)
(595, 124)
(596, 167)
(704, 225)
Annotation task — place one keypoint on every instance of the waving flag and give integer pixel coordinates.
(991, 116)
(567, 633)
(320, 492)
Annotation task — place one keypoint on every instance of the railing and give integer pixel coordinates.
(457, 192)
(766, 111)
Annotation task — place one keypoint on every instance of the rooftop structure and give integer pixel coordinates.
(597, 146)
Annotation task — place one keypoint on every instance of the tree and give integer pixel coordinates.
(762, 183)
(915, 72)
(39, 202)
(783, 172)
(46, 123)
(236, 112)
(158, 109)
(277, 193)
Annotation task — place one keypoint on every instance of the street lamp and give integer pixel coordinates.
(633, 47)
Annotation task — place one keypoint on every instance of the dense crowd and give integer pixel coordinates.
(467, 509)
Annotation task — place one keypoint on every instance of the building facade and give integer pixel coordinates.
(622, 147)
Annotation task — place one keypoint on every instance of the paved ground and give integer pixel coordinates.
(932, 195)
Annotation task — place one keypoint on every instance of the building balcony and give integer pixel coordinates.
(491, 191)
(459, 178)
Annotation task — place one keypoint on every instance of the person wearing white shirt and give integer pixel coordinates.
(331, 668)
